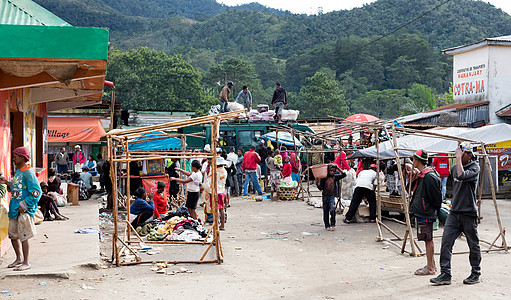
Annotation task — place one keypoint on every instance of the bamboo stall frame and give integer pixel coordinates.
(120, 140)
(377, 127)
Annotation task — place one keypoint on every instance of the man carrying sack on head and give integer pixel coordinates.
(25, 194)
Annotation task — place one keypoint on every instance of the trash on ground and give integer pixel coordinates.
(309, 233)
(42, 283)
(86, 287)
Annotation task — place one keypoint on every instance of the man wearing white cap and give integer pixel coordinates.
(462, 217)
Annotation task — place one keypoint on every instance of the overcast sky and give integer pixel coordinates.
(311, 7)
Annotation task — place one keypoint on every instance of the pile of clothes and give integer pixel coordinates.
(177, 228)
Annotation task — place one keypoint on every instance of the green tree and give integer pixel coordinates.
(385, 104)
(147, 79)
(321, 96)
(239, 71)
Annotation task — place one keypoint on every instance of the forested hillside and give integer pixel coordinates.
(258, 46)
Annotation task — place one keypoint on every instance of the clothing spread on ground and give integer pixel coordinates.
(177, 228)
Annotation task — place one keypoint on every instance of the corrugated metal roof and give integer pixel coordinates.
(459, 106)
(504, 112)
(26, 12)
(501, 41)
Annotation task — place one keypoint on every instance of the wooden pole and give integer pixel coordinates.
(113, 174)
(378, 193)
(494, 198)
(480, 190)
(112, 110)
(216, 232)
(128, 190)
(403, 189)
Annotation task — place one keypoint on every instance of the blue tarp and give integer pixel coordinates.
(170, 143)
(284, 138)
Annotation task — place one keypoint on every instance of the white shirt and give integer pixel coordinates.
(367, 179)
(194, 186)
(232, 157)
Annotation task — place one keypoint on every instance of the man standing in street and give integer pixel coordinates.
(233, 158)
(25, 194)
(426, 201)
(62, 160)
(462, 217)
(245, 98)
(250, 161)
(224, 96)
(239, 170)
(279, 101)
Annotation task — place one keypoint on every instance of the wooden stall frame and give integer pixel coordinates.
(122, 139)
(334, 135)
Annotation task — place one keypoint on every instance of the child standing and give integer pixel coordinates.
(278, 159)
(192, 187)
(160, 200)
(328, 186)
(274, 181)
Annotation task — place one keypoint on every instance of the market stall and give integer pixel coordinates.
(119, 152)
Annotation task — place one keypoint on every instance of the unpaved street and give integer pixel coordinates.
(305, 263)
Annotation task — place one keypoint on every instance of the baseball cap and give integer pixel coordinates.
(467, 147)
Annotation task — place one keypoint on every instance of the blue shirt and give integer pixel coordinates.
(245, 99)
(24, 186)
(139, 205)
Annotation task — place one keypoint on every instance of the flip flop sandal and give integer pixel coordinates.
(423, 272)
(13, 265)
(21, 268)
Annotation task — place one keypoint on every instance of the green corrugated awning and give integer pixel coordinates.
(27, 12)
(53, 42)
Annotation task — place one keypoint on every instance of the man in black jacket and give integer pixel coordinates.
(279, 101)
(462, 217)
(426, 201)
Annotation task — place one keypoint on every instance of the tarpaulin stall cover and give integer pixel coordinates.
(156, 142)
(74, 129)
(410, 142)
(284, 138)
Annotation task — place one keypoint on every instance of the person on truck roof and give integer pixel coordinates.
(279, 101)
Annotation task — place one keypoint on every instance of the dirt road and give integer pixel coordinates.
(302, 262)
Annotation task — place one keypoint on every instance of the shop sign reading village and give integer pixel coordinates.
(470, 80)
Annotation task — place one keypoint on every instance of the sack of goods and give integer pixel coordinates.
(290, 114)
(233, 106)
(254, 115)
(214, 110)
(263, 108)
(268, 115)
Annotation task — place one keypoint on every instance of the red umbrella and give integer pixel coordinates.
(357, 118)
(360, 118)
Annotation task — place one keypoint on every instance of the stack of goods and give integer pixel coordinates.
(255, 115)
(175, 229)
(290, 114)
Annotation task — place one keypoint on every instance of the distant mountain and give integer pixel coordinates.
(255, 28)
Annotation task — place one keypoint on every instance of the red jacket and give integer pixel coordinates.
(287, 170)
(342, 158)
(441, 165)
(250, 160)
(295, 163)
(160, 204)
